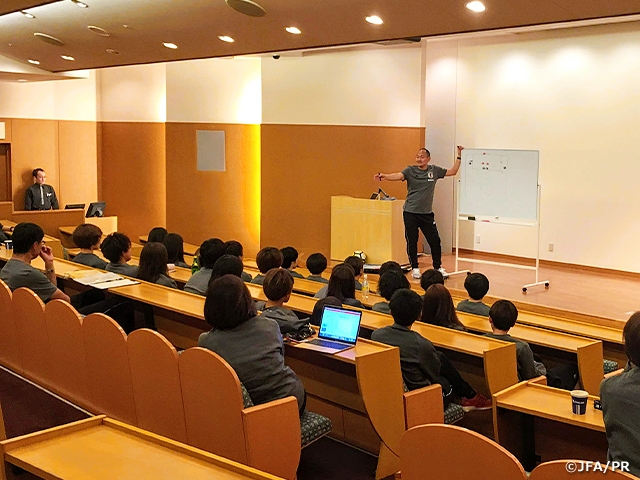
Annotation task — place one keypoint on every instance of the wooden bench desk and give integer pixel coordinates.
(531, 419)
(586, 352)
(100, 448)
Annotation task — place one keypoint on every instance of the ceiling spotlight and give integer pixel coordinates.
(33, 62)
(21, 80)
(476, 6)
(226, 38)
(68, 57)
(49, 39)
(172, 46)
(247, 7)
(27, 14)
(294, 30)
(112, 51)
(374, 19)
(80, 4)
(99, 31)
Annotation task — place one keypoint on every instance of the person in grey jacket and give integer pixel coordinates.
(277, 287)
(153, 265)
(250, 344)
(116, 248)
(620, 397)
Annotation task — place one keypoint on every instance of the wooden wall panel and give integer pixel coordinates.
(304, 165)
(77, 146)
(202, 205)
(133, 166)
(34, 144)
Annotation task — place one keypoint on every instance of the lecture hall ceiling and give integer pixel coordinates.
(138, 28)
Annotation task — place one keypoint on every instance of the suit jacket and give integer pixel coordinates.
(33, 200)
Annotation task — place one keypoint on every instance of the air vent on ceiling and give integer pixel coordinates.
(399, 41)
(49, 39)
(99, 31)
(247, 7)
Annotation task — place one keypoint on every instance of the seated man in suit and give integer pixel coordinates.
(40, 196)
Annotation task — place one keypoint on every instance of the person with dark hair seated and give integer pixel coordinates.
(250, 344)
(210, 251)
(28, 244)
(620, 397)
(290, 261)
(438, 309)
(174, 244)
(267, 258)
(157, 234)
(153, 265)
(116, 248)
(390, 281)
(277, 286)
(88, 237)
(389, 266)
(316, 316)
(342, 286)
(431, 277)
(502, 316)
(235, 248)
(421, 364)
(226, 265)
(358, 269)
(477, 286)
(316, 264)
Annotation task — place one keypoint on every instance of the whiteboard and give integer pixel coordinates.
(499, 183)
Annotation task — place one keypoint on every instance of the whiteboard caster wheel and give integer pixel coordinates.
(546, 285)
(524, 290)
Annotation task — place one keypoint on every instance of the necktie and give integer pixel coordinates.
(41, 195)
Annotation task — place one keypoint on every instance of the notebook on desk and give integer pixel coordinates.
(339, 329)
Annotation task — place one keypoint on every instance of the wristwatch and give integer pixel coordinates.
(51, 270)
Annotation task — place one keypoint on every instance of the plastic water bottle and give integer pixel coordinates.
(195, 266)
(365, 287)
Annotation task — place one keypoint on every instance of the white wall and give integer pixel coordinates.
(73, 99)
(133, 94)
(574, 96)
(215, 91)
(363, 87)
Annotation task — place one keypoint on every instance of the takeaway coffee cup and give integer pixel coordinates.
(579, 401)
(8, 244)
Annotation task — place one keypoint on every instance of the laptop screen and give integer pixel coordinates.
(340, 324)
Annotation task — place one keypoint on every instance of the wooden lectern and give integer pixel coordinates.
(372, 226)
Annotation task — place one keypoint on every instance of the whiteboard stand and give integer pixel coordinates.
(535, 225)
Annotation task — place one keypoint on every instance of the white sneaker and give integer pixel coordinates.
(443, 272)
(415, 273)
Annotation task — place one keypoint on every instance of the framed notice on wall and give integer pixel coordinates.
(2, 131)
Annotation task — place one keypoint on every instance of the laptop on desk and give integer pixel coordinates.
(339, 329)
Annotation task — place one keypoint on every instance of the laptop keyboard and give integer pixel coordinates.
(328, 343)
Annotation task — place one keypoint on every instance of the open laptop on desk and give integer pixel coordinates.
(339, 329)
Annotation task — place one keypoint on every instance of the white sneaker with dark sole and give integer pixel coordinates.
(415, 273)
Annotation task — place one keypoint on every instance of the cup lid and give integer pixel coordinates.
(579, 393)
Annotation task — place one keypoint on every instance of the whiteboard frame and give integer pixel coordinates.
(535, 225)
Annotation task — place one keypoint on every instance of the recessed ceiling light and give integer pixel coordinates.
(99, 31)
(33, 62)
(374, 19)
(68, 57)
(27, 14)
(476, 6)
(247, 7)
(80, 4)
(172, 46)
(21, 80)
(49, 39)
(294, 30)
(112, 51)
(226, 38)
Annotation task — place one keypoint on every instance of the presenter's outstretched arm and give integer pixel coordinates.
(456, 164)
(392, 177)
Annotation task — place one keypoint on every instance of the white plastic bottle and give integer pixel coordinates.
(365, 287)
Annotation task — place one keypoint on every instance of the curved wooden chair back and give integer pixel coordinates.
(156, 384)
(110, 387)
(33, 340)
(447, 451)
(564, 470)
(68, 360)
(9, 350)
(3, 432)
(213, 404)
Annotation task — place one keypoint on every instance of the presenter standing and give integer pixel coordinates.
(417, 213)
(40, 196)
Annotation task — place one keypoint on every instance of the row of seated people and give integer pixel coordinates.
(419, 360)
